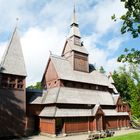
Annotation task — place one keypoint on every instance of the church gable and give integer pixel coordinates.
(50, 75)
(98, 110)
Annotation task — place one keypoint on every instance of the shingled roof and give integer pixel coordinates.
(64, 112)
(73, 47)
(113, 112)
(73, 96)
(53, 111)
(13, 60)
(65, 71)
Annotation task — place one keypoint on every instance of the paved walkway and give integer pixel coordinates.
(77, 137)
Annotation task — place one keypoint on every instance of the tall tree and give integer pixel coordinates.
(127, 82)
(122, 79)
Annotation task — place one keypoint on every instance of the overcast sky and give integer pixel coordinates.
(44, 25)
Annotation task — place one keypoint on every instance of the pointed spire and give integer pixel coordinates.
(74, 31)
(13, 60)
(74, 20)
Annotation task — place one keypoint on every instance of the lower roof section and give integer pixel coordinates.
(113, 112)
(67, 95)
(62, 112)
(65, 112)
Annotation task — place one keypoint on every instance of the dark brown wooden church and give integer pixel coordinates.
(75, 98)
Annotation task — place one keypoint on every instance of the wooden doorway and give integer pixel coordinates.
(99, 122)
(59, 125)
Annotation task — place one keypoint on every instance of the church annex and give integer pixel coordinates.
(75, 97)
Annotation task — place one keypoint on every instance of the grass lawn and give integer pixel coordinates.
(132, 136)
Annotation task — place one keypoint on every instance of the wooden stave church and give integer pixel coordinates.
(75, 98)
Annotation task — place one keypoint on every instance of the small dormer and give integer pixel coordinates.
(74, 50)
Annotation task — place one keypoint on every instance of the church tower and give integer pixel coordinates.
(12, 89)
(74, 50)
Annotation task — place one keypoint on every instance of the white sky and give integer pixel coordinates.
(44, 26)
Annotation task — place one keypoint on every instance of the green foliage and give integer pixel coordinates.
(36, 86)
(131, 19)
(135, 101)
(102, 70)
(132, 136)
(130, 23)
(122, 80)
(130, 56)
(128, 85)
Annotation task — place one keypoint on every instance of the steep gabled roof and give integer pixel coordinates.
(13, 60)
(65, 71)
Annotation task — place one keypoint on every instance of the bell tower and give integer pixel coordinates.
(12, 89)
(74, 50)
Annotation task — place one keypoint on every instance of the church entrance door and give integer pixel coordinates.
(99, 122)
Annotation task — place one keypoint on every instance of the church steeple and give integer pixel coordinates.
(74, 50)
(13, 60)
(74, 31)
(74, 20)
